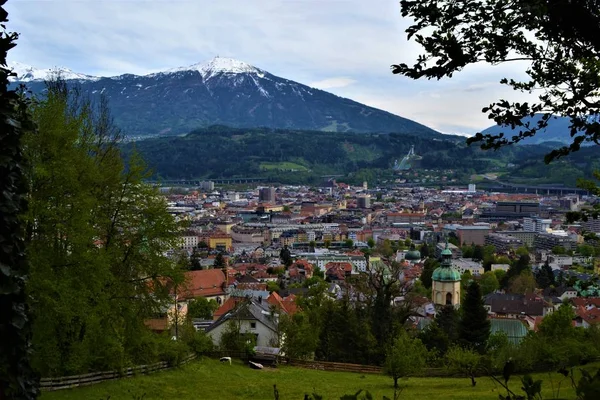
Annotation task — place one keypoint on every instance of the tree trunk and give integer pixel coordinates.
(395, 383)
(473, 383)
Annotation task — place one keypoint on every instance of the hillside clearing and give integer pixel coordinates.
(208, 379)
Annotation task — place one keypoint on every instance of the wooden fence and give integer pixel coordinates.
(334, 366)
(67, 382)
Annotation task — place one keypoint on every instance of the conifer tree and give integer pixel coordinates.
(474, 327)
(447, 319)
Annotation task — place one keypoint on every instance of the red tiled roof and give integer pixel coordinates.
(203, 283)
(344, 266)
(227, 306)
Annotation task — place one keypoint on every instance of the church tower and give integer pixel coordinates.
(446, 282)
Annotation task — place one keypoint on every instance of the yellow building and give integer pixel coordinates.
(220, 241)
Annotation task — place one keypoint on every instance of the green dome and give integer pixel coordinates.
(446, 252)
(445, 274)
(413, 255)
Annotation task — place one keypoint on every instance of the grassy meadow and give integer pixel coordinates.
(208, 379)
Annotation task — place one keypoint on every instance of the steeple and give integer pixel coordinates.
(446, 257)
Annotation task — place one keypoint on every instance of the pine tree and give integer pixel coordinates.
(447, 319)
(544, 276)
(474, 327)
(429, 266)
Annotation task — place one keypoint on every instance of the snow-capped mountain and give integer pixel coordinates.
(27, 73)
(227, 92)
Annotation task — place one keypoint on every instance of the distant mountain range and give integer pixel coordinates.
(223, 91)
(556, 131)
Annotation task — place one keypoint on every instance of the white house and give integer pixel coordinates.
(253, 317)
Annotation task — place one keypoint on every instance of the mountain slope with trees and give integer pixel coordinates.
(296, 156)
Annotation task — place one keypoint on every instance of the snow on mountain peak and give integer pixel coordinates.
(27, 73)
(220, 65)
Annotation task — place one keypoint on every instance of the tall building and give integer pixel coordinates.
(472, 188)
(266, 195)
(363, 201)
(207, 186)
(536, 224)
(445, 285)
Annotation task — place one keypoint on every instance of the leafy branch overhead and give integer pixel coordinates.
(559, 39)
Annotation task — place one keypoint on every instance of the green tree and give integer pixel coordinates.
(98, 238)
(219, 261)
(522, 284)
(489, 283)
(428, 267)
(464, 361)
(371, 242)
(405, 357)
(522, 251)
(273, 287)
(448, 320)
(435, 339)
(478, 253)
(425, 251)
(286, 257)
(467, 251)
(558, 40)
(545, 276)
(559, 250)
(474, 327)
(385, 248)
(202, 308)
(301, 337)
(17, 380)
(349, 243)
(585, 250)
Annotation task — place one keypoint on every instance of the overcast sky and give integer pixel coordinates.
(343, 46)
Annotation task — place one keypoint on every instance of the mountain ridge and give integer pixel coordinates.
(228, 92)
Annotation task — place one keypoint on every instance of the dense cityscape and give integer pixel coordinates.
(330, 231)
(407, 206)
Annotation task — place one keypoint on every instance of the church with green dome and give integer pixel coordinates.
(413, 255)
(445, 284)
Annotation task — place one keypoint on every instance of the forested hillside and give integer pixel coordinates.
(297, 156)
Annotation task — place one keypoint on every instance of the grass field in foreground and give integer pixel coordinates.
(208, 379)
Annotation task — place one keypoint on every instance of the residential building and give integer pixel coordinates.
(536, 224)
(363, 201)
(220, 241)
(503, 242)
(547, 241)
(406, 217)
(516, 305)
(591, 225)
(266, 195)
(467, 264)
(207, 186)
(527, 237)
(251, 317)
(207, 283)
(472, 234)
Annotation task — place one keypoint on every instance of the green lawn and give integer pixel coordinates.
(208, 379)
(282, 166)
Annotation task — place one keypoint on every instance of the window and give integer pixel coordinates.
(252, 325)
